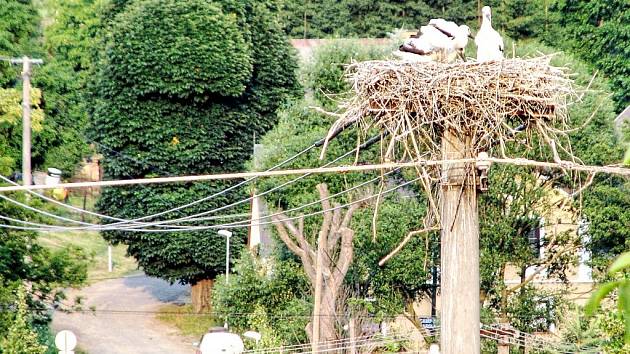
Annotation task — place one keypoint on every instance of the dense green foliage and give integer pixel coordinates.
(183, 89)
(24, 314)
(18, 29)
(23, 260)
(364, 18)
(70, 42)
(58, 141)
(20, 337)
(619, 270)
(324, 76)
(598, 32)
(275, 292)
(605, 204)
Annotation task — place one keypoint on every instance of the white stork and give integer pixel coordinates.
(437, 41)
(488, 40)
(458, 34)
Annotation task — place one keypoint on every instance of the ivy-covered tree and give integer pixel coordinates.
(184, 87)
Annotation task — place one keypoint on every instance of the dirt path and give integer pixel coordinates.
(122, 322)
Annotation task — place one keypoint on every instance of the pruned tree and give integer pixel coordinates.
(325, 262)
(183, 88)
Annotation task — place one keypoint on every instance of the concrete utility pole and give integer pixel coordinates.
(460, 250)
(26, 114)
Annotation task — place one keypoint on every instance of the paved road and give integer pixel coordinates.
(124, 332)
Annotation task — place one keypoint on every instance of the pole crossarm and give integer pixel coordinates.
(22, 60)
(616, 170)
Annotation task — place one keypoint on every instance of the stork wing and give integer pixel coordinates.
(442, 29)
(409, 48)
(500, 41)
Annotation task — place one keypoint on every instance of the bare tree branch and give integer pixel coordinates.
(403, 243)
(309, 266)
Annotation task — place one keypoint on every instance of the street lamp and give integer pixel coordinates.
(227, 235)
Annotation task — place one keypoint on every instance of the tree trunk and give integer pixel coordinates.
(327, 317)
(200, 294)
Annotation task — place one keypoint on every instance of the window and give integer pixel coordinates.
(536, 238)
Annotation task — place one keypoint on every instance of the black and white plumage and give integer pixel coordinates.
(439, 41)
(489, 42)
(458, 34)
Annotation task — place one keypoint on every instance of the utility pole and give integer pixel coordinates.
(317, 302)
(26, 114)
(459, 278)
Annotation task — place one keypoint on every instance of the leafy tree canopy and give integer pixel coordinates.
(598, 32)
(184, 87)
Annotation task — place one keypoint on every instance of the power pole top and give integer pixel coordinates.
(26, 113)
(25, 59)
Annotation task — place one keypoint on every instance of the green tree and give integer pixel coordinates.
(280, 296)
(598, 32)
(18, 30)
(364, 18)
(21, 339)
(22, 259)
(392, 286)
(622, 285)
(70, 41)
(184, 87)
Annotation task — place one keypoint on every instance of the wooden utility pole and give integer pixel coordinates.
(459, 249)
(26, 121)
(319, 278)
(26, 114)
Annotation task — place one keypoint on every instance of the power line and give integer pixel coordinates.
(323, 170)
(247, 223)
(194, 217)
(135, 221)
(368, 143)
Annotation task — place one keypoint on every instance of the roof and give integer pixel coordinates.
(621, 118)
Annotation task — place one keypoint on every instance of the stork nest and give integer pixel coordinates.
(485, 102)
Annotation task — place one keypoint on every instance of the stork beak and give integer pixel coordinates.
(461, 55)
(470, 36)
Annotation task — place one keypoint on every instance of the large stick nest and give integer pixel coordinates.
(415, 102)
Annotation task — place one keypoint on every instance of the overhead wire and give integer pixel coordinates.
(244, 223)
(121, 221)
(294, 180)
(201, 200)
(193, 218)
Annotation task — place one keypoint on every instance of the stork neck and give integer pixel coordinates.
(486, 22)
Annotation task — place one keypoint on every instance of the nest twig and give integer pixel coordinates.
(415, 102)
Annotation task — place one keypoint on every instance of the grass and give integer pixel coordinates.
(185, 320)
(96, 247)
(89, 241)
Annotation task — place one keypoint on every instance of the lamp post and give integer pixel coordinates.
(227, 235)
